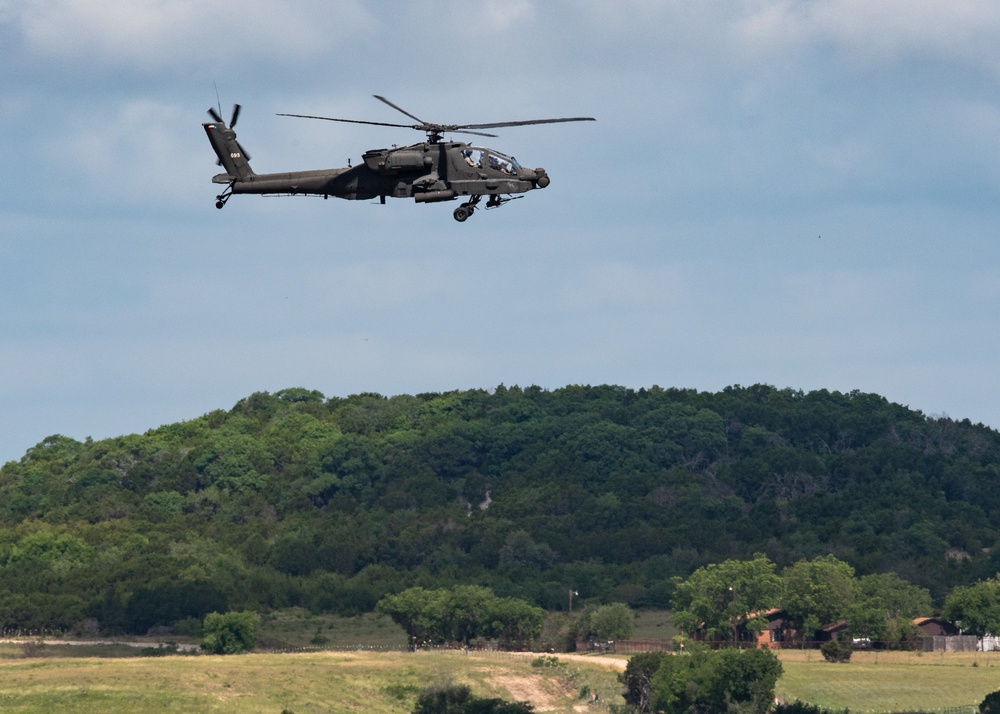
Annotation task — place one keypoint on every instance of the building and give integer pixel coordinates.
(779, 631)
(934, 627)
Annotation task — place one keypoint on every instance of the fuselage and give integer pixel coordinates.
(428, 171)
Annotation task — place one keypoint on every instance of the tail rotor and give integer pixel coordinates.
(217, 116)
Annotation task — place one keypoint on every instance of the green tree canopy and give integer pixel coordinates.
(608, 622)
(727, 681)
(818, 592)
(229, 633)
(976, 608)
(333, 503)
(460, 614)
(885, 608)
(718, 598)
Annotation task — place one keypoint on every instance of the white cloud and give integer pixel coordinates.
(678, 243)
(157, 33)
(873, 32)
(497, 16)
(140, 147)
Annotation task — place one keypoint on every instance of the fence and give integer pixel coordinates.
(954, 643)
(989, 644)
(638, 646)
(970, 709)
(30, 632)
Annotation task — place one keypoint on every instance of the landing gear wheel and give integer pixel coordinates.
(221, 199)
(462, 212)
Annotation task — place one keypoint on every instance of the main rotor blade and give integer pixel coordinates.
(351, 121)
(214, 114)
(399, 109)
(477, 133)
(236, 115)
(527, 122)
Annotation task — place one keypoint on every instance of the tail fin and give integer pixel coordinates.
(231, 155)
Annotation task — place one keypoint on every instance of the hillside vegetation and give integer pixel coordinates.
(293, 499)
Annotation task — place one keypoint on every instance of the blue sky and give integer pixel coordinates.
(801, 193)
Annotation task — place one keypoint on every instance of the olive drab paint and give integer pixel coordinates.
(429, 172)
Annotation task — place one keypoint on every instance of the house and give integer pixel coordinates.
(831, 631)
(934, 627)
(779, 630)
(937, 635)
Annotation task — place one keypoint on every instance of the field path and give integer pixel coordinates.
(615, 663)
(525, 689)
(539, 692)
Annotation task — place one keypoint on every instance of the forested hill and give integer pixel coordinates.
(295, 499)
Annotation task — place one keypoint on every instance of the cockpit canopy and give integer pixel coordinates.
(479, 158)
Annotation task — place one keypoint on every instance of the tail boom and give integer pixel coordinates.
(231, 155)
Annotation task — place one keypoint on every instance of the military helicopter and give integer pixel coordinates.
(431, 171)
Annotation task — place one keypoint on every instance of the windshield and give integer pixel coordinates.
(499, 162)
(479, 158)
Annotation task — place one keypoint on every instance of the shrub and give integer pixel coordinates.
(798, 707)
(726, 681)
(545, 661)
(458, 699)
(609, 622)
(991, 704)
(834, 651)
(231, 633)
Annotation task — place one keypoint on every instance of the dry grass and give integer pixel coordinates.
(315, 682)
(300, 683)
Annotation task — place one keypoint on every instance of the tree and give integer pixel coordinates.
(818, 592)
(165, 600)
(512, 620)
(990, 703)
(745, 678)
(461, 614)
(976, 608)
(466, 609)
(638, 678)
(418, 611)
(724, 681)
(718, 598)
(885, 607)
(229, 633)
(608, 622)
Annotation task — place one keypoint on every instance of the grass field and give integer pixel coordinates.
(100, 678)
(307, 683)
(890, 681)
(654, 625)
(297, 628)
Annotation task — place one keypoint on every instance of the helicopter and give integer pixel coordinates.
(431, 171)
